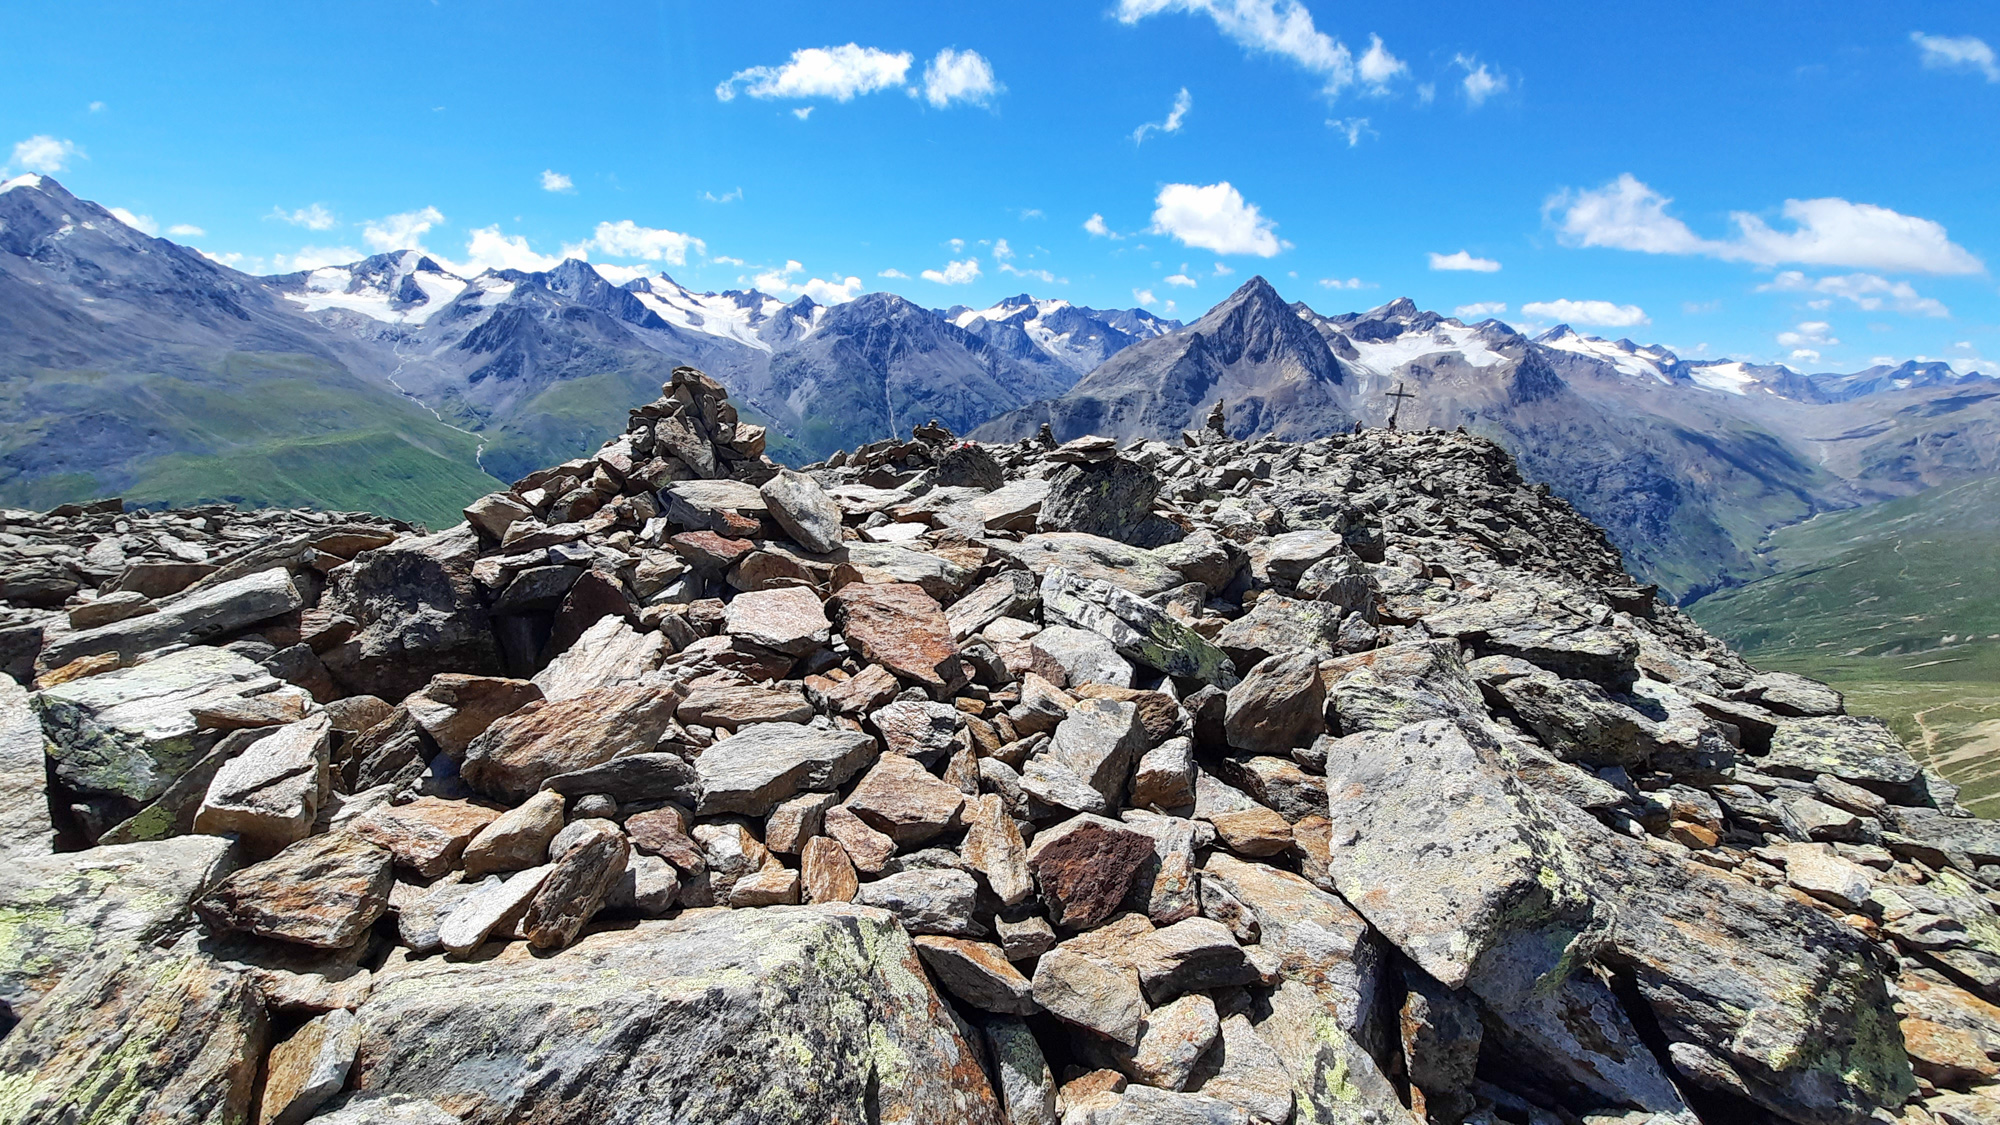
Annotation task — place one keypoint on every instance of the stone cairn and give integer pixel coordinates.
(1214, 781)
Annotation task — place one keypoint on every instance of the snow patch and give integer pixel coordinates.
(1641, 363)
(733, 315)
(1730, 378)
(1383, 357)
(31, 180)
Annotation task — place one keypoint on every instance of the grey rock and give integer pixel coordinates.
(420, 613)
(765, 763)
(131, 733)
(813, 1002)
(192, 617)
(1164, 776)
(1021, 1076)
(1139, 630)
(1244, 1071)
(1099, 742)
(479, 912)
(1085, 657)
(1112, 498)
(576, 885)
(1280, 624)
(804, 510)
(1864, 752)
(270, 793)
(932, 901)
(1279, 704)
(977, 973)
(1131, 569)
(324, 891)
(26, 828)
(59, 908)
(657, 776)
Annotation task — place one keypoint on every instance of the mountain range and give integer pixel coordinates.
(137, 366)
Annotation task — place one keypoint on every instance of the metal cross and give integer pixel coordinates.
(1399, 394)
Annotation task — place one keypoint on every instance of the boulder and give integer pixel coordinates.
(901, 799)
(1139, 630)
(191, 618)
(804, 510)
(1085, 866)
(454, 708)
(1098, 742)
(1083, 656)
(324, 891)
(784, 1015)
(927, 900)
(516, 839)
(1132, 569)
(309, 1067)
(1112, 498)
(139, 1035)
(26, 828)
(1434, 841)
(577, 882)
(520, 751)
(902, 628)
(428, 835)
(1280, 704)
(55, 910)
(789, 620)
(131, 733)
(608, 654)
(419, 612)
(977, 973)
(270, 793)
(765, 763)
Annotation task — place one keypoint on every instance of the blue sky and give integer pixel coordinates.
(1812, 183)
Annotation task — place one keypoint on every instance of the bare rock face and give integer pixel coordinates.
(902, 628)
(785, 1014)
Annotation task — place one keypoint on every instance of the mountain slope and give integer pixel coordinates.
(135, 366)
(1252, 351)
(1896, 605)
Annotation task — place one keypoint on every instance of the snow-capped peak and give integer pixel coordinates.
(734, 314)
(1641, 362)
(30, 180)
(402, 287)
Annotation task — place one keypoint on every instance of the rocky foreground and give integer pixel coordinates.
(1211, 782)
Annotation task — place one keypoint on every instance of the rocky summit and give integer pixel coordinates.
(1193, 781)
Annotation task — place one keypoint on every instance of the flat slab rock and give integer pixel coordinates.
(781, 1015)
(54, 910)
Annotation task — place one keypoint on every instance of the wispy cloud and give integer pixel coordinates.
(1464, 261)
(553, 180)
(1866, 291)
(1183, 102)
(840, 73)
(313, 217)
(1480, 81)
(1962, 53)
(1283, 28)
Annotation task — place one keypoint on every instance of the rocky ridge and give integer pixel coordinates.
(1194, 781)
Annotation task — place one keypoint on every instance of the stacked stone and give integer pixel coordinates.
(1219, 781)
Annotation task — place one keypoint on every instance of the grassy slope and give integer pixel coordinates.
(255, 429)
(1898, 605)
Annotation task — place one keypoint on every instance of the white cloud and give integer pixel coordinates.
(1032, 213)
(1222, 270)
(97, 107)
(1480, 82)
(627, 239)
(1183, 102)
(144, 224)
(782, 283)
(959, 76)
(1379, 67)
(840, 73)
(313, 257)
(957, 245)
(895, 273)
(1002, 251)
(315, 217)
(725, 197)
(1865, 290)
(553, 180)
(803, 112)
(1214, 217)
(1627, 215)
(1834, 232)
(1816, 333)
(1336, 283)
(1279, 27)
(1144, 297)
(1181, 279)
(186, 230)
(1095, 225)
(1427, 93)
(1043, 276)
(962, 272)
(1464, 261)
(1588, 312)
(43, 153)
(1480, 310)
(1963, 53)
(723, 260)
(1806, 354)
(488, 249)
(402, 232)
(1350, 127)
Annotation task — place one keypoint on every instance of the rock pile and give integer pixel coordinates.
(1219, 782)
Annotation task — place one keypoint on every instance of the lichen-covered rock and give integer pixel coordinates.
(782, 1015)
(55, 909)
(131, 733)
(1141, 631)
(138, 1035)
